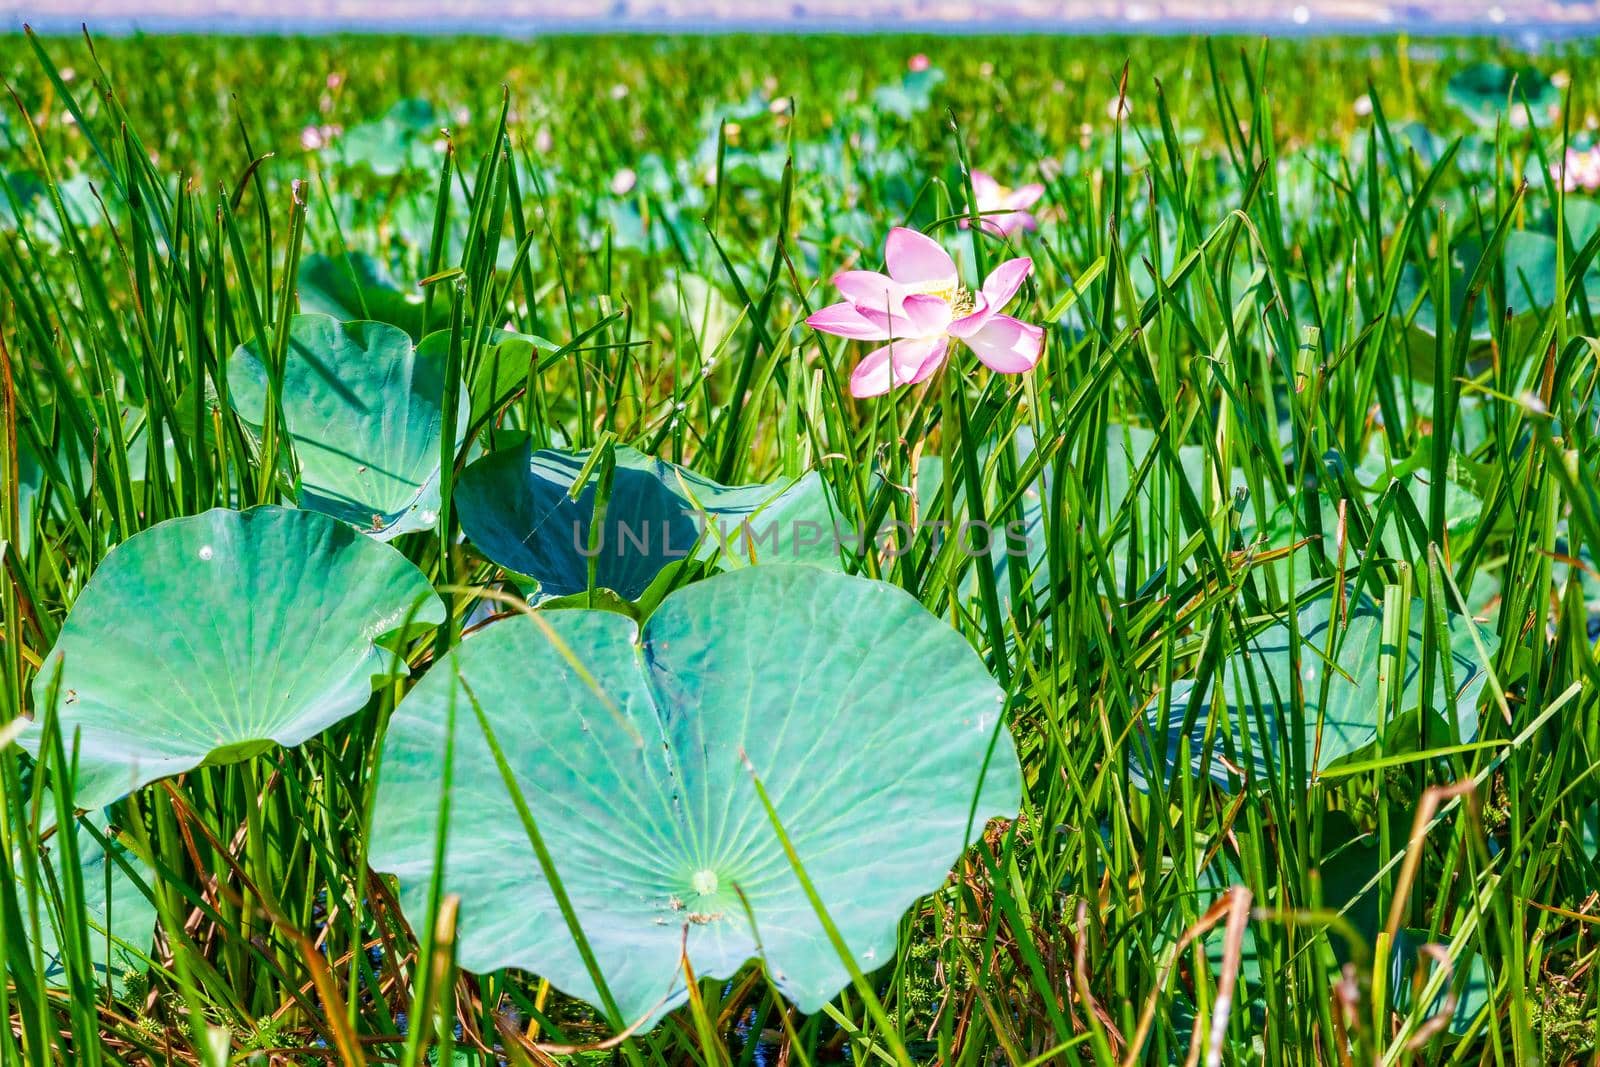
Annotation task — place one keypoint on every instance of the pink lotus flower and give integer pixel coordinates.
(1578, 170)
(315, 137)
(918, 307)
(1011, 205)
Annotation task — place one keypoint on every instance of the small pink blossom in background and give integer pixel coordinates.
(1010, 205)
(315, 137)
(919, 63)
(544, 140)
(68, 73)
(1363, 105)
(623, 181)
(619, 91)
(918, 307)
(335, 79)
(1579, 171)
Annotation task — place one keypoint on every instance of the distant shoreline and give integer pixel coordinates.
(1523, 32)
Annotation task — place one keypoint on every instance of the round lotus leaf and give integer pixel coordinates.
(364, 409)
(211, 638)
(403, 139)
(352, 286)
(1484, 91)
(1249, 711)
(874, 728)
(518, 506)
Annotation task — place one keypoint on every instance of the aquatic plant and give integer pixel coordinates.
(209, 639)
(918, 307)
(620, 520)
(362, 409)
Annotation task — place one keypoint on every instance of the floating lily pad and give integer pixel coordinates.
(211, 638)
(402, 140)
(1137, 496)
(26, 204)
(870, 723)
(504, 365)
(1371, 479)
(363, 406)
(1349, 861)
(517, 506)
(353, 286)
(1486, 90)
(1256, 695)
(1528, 266)
(911, 95)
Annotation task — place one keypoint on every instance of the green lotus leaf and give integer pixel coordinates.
(1581, 217)
(911, 95)
(121, 920)
(518, 507)
(707, 317)
(353, 286)
(26, 204)
(207, 639)
(1528, 265)
(505, 363)
(1465, 993)
(401, 140)
(1016, 539)
(1140, 487)
(1372, 478)
(363, 407)
(870, 724)
(1348, 862)
(20, 191)
(1484, 91)
(30, 481)
(1251, 698)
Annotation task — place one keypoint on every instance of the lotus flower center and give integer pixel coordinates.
(961, 301)
(704, 882)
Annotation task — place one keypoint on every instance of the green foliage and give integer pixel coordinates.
(640, 752)
(1301, 696)
(535, 513)
(361, 406)
(1313, 442)
(209, 639)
